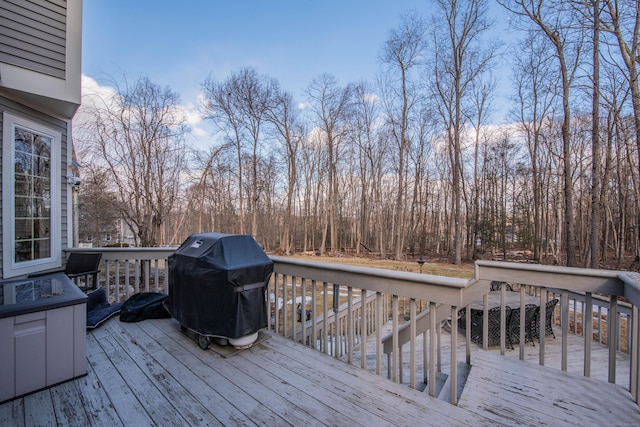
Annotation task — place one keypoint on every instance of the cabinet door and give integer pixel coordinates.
(59, 345)
(7, 359)
(30, 346)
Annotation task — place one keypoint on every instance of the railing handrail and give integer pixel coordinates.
(443, 289)
(132, 253)
(559, 277)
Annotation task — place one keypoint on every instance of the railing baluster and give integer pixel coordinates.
(314, 314)
(379, 323)
(325, 313)
(127, 266)
(350, 332)
(564, 320)
(432, 349)
(284, 305)
(363, 328)
(156, 277)
(453, 396)
(542, 322)
(587, 328)
(294, 308)
(634, 349)
(117, 280)
(394, 340)
(303, 310)
(412, 345)
(612, 337)
(276, 308)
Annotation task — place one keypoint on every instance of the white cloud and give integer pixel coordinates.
(95, 94)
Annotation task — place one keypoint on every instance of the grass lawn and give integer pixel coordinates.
(464, 270)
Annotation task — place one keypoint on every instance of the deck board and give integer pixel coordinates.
(521, 392)
(150, 373)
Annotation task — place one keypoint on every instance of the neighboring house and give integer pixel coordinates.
(40, 67)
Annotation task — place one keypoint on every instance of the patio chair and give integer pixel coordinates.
(530, 315)
(80, 265)
(497, 286)
(477, 321)
(84, 265)
(550, 309)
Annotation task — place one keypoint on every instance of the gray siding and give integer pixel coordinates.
(33, 35)
(60, 126)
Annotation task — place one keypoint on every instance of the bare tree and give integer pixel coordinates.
(554, 21)
(331, 104)
(534, 97)
(98, 206)
(285, 118)
(139, 135)
(401, 52)
(622, 20)
(237, 107)
(460, 59)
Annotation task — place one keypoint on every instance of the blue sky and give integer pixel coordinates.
(180, 43)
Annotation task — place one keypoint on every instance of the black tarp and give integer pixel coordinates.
(217, 284)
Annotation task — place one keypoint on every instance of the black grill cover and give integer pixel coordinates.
(217, 284)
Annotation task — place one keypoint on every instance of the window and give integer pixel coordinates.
(31, 196)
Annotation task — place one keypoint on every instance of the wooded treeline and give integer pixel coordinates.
(408, 165)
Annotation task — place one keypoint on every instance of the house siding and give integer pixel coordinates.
(33, 35)
(58, 125)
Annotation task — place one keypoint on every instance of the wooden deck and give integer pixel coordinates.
(150, 373)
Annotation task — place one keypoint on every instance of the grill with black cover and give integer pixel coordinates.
(217, 287)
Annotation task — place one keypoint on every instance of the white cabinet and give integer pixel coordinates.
(42, 348)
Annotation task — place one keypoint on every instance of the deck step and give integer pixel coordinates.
(513, 391)
(463, 374)
(441, 380)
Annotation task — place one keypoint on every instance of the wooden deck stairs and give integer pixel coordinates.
(512, 391)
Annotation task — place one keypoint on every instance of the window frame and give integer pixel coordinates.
(11, 268)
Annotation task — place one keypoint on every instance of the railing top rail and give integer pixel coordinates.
(441, 289)
(109, 254)
(565, 278)
(632, 286)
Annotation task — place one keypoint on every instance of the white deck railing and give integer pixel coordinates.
(348, 304)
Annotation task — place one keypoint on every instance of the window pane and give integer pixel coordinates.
(23, 163)
(41, 227)
(42, 248)
(32, 200)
